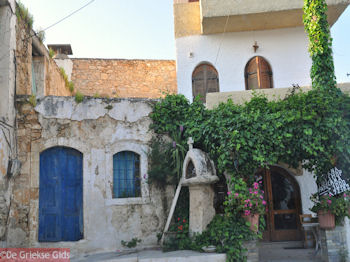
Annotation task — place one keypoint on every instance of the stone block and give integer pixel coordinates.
(201, 207)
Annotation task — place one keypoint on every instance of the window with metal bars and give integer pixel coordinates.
(126, 175)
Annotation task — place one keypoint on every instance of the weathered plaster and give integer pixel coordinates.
(98, 133)
(142, 150)
(7, 66)
(67, 65)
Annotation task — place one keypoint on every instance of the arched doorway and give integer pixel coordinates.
(258, 74)
(282, 195)
(61, 195)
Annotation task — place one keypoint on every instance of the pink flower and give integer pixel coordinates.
(344, 194)
(264, 202)
(256, 185)
(246, 212)
(245, 205)
(250, 205)
(329, 201)
(236, 194)
(261, 197)
(229, 193)
(262, 191)
(255, 192)
(260, 182)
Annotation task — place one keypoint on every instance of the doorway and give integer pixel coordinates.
(282, 195)
(61, 195)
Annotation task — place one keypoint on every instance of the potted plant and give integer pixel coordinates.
(249, 201)
(331, 210)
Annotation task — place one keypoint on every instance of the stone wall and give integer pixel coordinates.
(23, 59)
(334, 244)
(98, 128)
(54, 82)
(124, 78)
(48, 78)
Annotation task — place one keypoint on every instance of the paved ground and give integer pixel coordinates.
(287, 252)
(153, 256)
(268, 252)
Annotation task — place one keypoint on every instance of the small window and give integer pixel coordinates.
(34, 89)
(258, 74)
(126, 175)
(204, 80)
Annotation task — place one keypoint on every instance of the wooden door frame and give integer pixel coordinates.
(280, 235)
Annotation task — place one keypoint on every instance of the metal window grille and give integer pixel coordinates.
(126, 175)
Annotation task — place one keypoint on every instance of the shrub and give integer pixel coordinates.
(79, 97)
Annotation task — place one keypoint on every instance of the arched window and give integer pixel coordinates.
(204, 80)
(258, 74)
(126, 175)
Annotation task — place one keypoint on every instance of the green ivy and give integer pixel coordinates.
(320, 44)
(308, 128)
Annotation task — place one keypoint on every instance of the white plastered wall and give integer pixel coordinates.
(307, 185)
(285, 50)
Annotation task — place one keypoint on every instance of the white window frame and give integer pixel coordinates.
(141, 150)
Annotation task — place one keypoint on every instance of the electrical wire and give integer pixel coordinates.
(61, 20)
(222, 39)
(64, 18)
(56, 23)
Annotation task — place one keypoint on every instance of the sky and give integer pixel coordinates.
(138, 29)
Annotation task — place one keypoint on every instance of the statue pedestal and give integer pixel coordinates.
(201, 207)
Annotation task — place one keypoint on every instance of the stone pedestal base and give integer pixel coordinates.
(201, 207)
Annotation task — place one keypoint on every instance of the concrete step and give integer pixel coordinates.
(154, 256)
(287, 252)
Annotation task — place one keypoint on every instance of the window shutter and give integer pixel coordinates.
(258, 74)
(204, 80)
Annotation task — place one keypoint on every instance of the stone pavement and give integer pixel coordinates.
(268, 252)
(291, 251)
(153, 256)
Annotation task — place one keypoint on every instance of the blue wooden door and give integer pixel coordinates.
(60, 195)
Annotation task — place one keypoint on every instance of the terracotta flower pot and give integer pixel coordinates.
(326, 219)
(254, 221)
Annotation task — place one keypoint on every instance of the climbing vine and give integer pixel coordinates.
(304, 128)
(320, 44)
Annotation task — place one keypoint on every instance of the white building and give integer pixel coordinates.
(224, 49)
(241, 45)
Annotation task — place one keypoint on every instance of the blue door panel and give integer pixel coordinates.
(60, 199)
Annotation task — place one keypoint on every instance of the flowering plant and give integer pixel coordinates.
(338, 205)
(247, 200)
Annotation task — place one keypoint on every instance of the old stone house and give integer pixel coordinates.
(224, 49)
(45, 133)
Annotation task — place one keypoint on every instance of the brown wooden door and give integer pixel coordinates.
(204, 80)
(258, 74)
(283, 202)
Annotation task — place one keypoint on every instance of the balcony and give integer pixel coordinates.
(247, 15)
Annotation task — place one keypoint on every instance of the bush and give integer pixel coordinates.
(79, 97)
